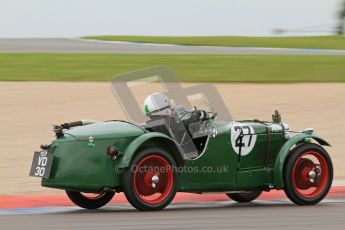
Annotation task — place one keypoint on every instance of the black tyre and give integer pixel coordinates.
(150, 182)
(308, 174)
(93, 201)
(245, 196)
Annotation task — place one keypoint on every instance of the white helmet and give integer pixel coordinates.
(157, 104)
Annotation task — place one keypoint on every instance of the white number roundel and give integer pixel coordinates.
(243, 138)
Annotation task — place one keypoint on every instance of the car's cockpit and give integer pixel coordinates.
(190, 129)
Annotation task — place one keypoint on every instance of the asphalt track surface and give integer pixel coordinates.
(279, 214)
(69, 45)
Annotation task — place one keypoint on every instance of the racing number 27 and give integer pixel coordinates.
(239, 140)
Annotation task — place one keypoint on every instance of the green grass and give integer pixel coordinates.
(194, 68)
(315, 42)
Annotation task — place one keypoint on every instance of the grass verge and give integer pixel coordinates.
(188, 68)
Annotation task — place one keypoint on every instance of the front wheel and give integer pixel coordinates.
(244, 196)
(90, 201)
(150, 182)
(308, 174)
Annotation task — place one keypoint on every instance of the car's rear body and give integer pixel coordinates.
(84, 166)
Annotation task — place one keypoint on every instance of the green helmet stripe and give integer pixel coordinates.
(146, 110)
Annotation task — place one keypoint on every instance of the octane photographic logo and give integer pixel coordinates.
(183, 169)
(178, 102)
(123, 87)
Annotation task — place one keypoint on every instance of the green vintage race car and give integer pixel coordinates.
(180, 150)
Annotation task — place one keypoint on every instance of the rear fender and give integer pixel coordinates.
(152, 139)
(285, 151)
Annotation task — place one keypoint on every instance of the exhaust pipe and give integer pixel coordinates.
(58, 129)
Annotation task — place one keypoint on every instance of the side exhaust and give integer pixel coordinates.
(58, 129)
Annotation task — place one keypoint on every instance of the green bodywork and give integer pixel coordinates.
(82, 164)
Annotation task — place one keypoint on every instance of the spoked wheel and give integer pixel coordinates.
(90, 200)
(244, 196)
(308, 174)
(150, 181)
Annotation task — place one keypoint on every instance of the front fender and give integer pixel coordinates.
(152, 139)
(284, 152)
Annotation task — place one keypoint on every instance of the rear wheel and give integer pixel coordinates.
(90, 200)
(308, 174)
(244, 196)
(150, 181)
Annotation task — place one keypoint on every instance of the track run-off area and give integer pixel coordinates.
(76, 45)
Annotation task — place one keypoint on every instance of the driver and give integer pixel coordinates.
(163, 118)
(157, 105)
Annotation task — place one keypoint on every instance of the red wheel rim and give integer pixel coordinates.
(310, 174)
(153, 179)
